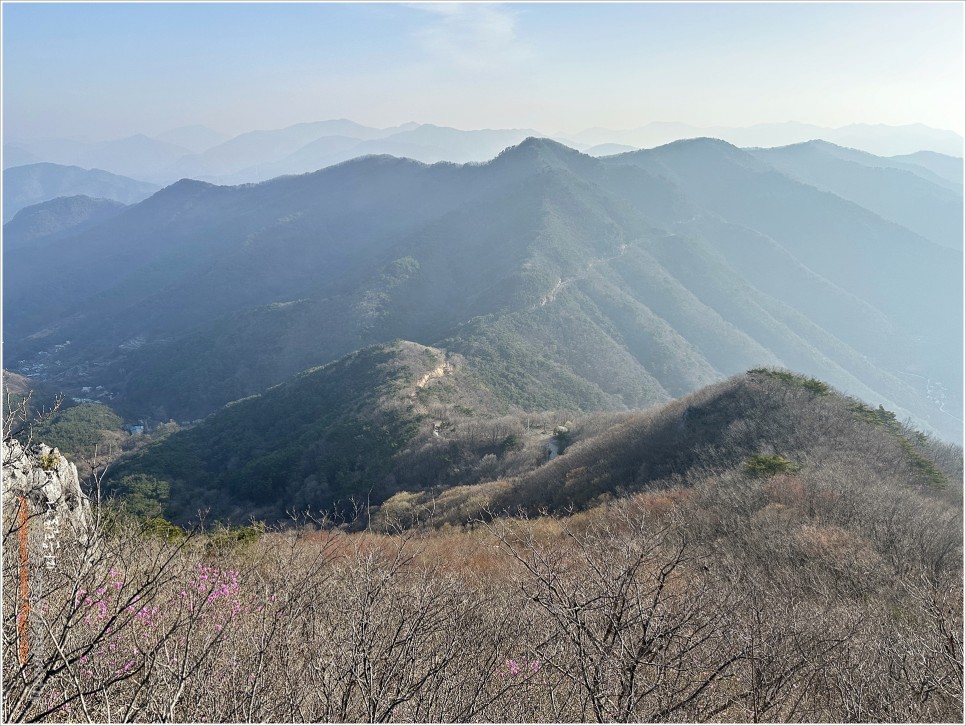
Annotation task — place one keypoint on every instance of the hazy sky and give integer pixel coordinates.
(107, 70)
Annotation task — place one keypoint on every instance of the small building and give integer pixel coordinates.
(134, 430)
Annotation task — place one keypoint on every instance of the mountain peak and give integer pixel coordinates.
(181, 189)
(189, 184)
(820, 145)
(541, 142)
(701, 150)
(543, 151)
(702, 145)
(700, 142)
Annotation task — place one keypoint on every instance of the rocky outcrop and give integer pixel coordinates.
(47, 480)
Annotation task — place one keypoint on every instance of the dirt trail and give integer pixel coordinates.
(552, 295)
(437, 372)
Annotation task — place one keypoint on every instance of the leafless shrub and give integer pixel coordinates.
(716, 597)
(634, 629)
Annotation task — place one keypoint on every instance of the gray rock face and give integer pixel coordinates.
(47, 480)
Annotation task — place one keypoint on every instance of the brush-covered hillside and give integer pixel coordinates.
(763, 550)
(761, 424)
(416, 430)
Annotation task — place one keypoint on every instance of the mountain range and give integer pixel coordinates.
(201, 153)
(879, 139)
(568, 281)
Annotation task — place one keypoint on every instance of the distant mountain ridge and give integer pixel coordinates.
(41, 182)
(254, 156)
(195, 139)
(943, 165)
(899, 191)
(568, 281)
(138, 156)
(262, 155)
(878, 139)
(57, 217)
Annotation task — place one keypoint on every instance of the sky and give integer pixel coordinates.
(101, 71)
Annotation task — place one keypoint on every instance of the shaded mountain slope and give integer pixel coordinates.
(239, 241)
(873, 262)
(840, 241)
